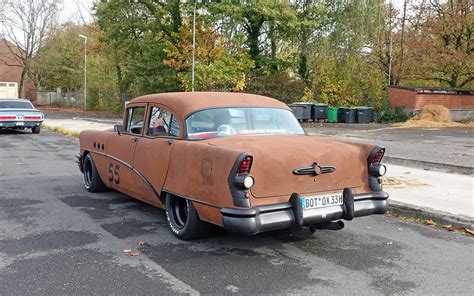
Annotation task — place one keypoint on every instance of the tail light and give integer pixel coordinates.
(32, 116)
(6, 117)
(245, 166)
(376, 169)
(377, 156)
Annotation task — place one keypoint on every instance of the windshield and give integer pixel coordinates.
(15, 105)
(224, 122)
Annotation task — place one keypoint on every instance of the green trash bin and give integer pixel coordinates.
(332, 114)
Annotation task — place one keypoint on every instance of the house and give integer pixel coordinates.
(460, 102)
(10, 73)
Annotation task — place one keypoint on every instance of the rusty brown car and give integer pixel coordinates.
(239, 161)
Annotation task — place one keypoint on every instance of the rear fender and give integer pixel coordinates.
(200, 172)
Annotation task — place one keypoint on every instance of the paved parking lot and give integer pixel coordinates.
(56, 238)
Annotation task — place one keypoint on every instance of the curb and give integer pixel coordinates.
(427, 165)
(429, 213)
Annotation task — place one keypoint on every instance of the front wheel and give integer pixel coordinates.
(183, 219)
(92, 180)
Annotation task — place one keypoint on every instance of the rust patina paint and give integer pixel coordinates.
(199, 170)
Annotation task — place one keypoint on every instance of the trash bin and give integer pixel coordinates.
(370, 115)
(332, 114)
(365, 114)
(320, 111)
(347, 115)
(362, 115)
(302, 111)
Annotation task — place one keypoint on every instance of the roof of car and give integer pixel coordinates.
(186, 103)
(13, 99)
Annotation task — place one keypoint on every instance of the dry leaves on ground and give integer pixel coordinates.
(130, 252)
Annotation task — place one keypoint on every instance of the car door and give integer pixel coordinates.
(121, 149)
(152, 153)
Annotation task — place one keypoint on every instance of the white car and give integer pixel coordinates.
(20, 114)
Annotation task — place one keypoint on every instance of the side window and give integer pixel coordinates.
(162, 123)
(135, 116)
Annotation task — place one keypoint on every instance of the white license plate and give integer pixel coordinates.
(20, 123)
(321, 201)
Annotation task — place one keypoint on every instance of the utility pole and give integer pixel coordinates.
(85, 70)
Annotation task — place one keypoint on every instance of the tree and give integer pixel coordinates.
(221, 64)
(59, 61)
(25, 26)
(441, 45)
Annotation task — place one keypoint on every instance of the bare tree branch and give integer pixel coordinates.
(25, 25)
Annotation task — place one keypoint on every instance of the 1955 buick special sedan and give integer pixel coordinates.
(239, 161)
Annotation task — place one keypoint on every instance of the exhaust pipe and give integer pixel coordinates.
(329, 225)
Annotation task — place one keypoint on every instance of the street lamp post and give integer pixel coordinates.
(85, 70)
(194, 47)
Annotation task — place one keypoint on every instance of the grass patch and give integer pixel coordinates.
(61, 130)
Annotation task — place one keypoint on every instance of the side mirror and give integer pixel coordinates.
(118, 128)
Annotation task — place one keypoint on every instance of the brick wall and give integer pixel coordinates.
(450, 101)
(10, 71)
(414, 99)
(402, 97)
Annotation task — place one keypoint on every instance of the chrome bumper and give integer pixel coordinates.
(286, 215)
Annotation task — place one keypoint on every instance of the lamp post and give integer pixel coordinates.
(85, 69)
(194, 47)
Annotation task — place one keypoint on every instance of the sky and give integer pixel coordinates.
(74, 9)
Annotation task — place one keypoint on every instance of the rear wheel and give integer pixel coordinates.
(183, 219)
(36, 129)
(92, 180)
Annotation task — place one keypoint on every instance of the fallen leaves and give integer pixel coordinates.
(430, 222)
(130, 252)
(460, 229)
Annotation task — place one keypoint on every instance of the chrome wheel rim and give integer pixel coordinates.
(87, 172)
(180, 210)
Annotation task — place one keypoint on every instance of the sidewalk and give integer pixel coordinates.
(447, 149)
(438, 195)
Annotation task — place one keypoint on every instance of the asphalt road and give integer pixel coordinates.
(57, 238)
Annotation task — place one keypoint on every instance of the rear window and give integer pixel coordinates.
(233, 121)
(15, 105)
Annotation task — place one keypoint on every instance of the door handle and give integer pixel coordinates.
(169, 142)
(135, 139)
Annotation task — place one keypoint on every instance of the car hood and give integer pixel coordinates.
(275, 158)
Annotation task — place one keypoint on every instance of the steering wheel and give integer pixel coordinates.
(226, 130)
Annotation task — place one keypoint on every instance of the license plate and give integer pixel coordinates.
(321, 201)
(20, 123)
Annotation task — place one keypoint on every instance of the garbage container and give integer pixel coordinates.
(302, 111)
(365, 114)
(347, 115)
(320, 111)
(332, 114)
(362, 115)
(370, 115)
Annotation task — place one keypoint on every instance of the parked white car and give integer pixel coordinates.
(20, 114)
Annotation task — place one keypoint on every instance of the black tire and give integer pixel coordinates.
(36, 129)
(91, 177)
(183, 219)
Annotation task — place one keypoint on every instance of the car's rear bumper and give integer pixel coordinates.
(14, 124)
(286, 215)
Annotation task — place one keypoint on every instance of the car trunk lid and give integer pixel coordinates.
(275, 158)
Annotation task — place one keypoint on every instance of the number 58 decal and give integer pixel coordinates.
(114, 173)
